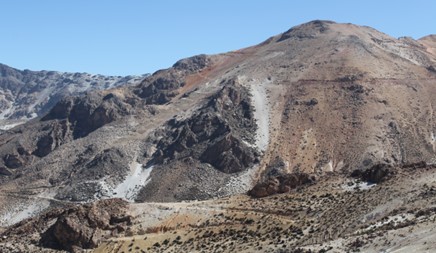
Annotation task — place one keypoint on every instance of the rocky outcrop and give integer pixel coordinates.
(381, 172)
(193, 64)
(417, 165)
(275, 168)
(86, 114)
(376, 174)
(162, 86)
(280, 184)
(13, 161)
(16, 159)
(228, 155)
(214, 135)
(51, 136)
(25, 94)
(306, 31)
(203, 151)
(69, 228)
(83, 227)
(161, 90)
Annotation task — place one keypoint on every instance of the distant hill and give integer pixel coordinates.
(26, 94)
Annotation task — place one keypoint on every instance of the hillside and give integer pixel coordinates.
(312, 113)
(26, 94)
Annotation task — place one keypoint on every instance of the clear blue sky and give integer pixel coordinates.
(141, 36)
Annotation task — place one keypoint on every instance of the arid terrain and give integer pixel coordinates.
(333, 215)
(26, 94)
(319, 139)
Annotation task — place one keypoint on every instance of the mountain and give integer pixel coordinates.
(338, 117)
(28, 94)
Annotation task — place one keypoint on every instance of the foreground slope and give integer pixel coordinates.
(321, 99)
(334, 215)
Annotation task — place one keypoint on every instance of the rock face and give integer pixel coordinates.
(280, 184)
(26, 94)
(83, 227)
(321, 98)
(84, 115)
(213, 135)
(73, 228)
(213, 141)
(376, 174)
(159, 89)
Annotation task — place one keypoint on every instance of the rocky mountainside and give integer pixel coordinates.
(320, 109)
(28, 94)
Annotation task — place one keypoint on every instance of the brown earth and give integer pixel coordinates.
(325, 100)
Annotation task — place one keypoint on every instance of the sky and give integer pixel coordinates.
(132, 37)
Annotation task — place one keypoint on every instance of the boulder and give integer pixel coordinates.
(83, 227)
(12, 161)
(280, 184)
(376, 174)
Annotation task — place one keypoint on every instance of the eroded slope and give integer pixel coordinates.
(318, 99)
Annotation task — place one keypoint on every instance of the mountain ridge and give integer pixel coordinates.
(322, 101)
(27, 94)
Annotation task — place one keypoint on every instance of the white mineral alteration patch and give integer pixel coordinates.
(329, 166)
(432, 140)
(401, 50)
(273, 55)
(355, 184)
(10, 126)
(339, 166)
(239, 184)
(395, 220)
(22, 212)
(16, 212)
(42, 96)
(261, 114)
(6, 112)
(132, 184)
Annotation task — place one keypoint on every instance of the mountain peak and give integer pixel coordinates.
(321, 104)
(307, 30)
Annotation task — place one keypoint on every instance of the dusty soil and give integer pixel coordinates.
(322, 99)
(336, 215)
